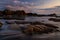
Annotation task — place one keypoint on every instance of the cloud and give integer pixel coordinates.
(17, 2)
(19, 5)
(31, 3)
(55, 9)
(16, 5)
(25, 8)
(38, 6)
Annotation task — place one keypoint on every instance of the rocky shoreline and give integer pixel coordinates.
(28, 31)
(34, 27)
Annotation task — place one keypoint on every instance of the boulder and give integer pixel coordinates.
(37, 29)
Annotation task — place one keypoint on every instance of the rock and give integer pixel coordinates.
(40, 23)
(36, 23)
(54, 19)
(29, 30)
(0, 25)
(50, 25)
(22, 22)
(38, 29)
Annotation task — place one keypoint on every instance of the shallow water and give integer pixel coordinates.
(5, 28)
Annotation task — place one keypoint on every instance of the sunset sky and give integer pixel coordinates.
(37, 6)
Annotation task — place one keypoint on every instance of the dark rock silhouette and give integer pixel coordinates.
(54, 19)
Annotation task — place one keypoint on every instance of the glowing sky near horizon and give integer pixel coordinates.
(48, 4)
(43, 3)
(29, 5)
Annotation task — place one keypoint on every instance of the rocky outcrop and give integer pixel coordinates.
(38, 29)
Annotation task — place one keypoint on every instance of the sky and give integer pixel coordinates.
(35, 6)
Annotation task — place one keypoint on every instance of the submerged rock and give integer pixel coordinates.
(10, 22)
(22, 22)
(36, 23)
(13, 27)
(50, 25)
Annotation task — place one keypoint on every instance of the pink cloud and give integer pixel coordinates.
(29, 7)
(26, 9)
(19, 5)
